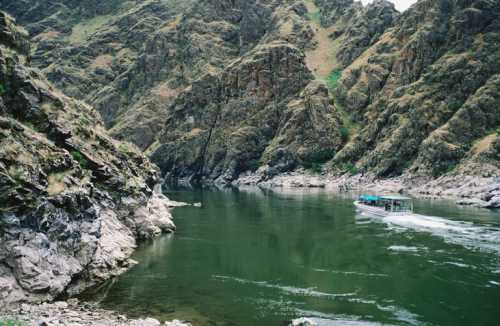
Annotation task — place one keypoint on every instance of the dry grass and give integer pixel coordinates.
(85, 29)
(321, 60)
(47, 35)
(484, 144)
(56, 183)
(102, 61)
(172, 24)
(193, 133)
(164, 91)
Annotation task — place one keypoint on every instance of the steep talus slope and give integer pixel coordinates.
(426, 91)
(73, 200)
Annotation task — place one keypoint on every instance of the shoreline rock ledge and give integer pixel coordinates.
(73, 313)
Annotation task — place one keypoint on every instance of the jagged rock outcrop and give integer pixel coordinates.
(176, 49)
(249, 116)
(425, 93)
(355, 27)
(73, 200)
(196, 84)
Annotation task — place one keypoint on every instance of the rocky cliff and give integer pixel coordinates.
(212, 89)
(425, 93)
(73, 200)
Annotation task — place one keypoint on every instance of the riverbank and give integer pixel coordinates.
(74, 313)
(465, 190)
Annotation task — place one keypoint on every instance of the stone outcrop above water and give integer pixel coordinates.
(73, 200)
(76, 314)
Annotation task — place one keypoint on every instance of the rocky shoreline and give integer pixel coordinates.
(74, 313)
(466, 190)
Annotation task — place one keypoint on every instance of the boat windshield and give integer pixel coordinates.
(397, 204)
(389, 203)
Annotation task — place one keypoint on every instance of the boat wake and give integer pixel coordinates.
(287, 289)
(395, 313)
(467, 234)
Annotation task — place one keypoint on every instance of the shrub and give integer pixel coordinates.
(344, 134)
(124, 148)
(351, 168)
(10, 322)
(320, 156)
(315, 168)
(333, 78)
(455, 104)
(253, 165)
(2, 89)
(77, 156)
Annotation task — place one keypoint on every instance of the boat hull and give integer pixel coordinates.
(377, 211)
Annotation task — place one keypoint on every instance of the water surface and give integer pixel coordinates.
(253, 257)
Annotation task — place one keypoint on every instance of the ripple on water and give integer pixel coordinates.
(467, 234)
(398, 313)
(288, 289)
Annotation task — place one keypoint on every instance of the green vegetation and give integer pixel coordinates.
(253, 165)
(84, 29)
(344, 134)
(17, 174)
(315, 168)
(11, 322)
(2, 89)
(315, 161)
(124, 148)
(313, 13)
(498, 131)
(450, 167)
(320, 156)
(84, 121)
(78, 156)
(333, 78)
(455, 104)
(315, 17)
(350, 167)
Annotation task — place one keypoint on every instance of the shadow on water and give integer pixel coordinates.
(261, 257)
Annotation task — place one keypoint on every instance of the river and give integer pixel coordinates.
(254, 257)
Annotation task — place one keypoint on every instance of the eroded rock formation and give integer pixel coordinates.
(73, 200)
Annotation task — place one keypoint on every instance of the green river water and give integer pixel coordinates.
(253, 257)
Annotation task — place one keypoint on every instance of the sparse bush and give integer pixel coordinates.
(315, 17)
(455, 104)
(333, 78)
(10, 322)
(351, 168)
(77, 156)
(2, 89)
(344, 134)
(315, 168)
(320, 156)
(124, 148)
(253, 165)
(84, 121)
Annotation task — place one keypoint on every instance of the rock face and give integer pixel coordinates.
(424, 93)
(75, 314)
(213, 89)
(73, 200)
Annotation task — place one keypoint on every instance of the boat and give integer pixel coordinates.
(384, 205)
